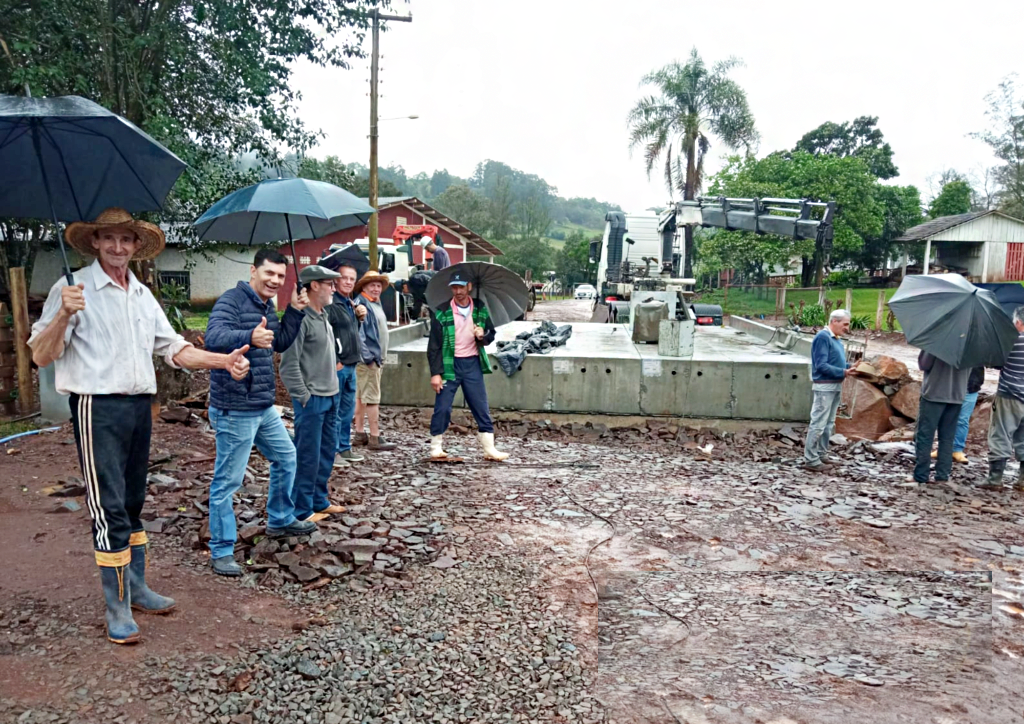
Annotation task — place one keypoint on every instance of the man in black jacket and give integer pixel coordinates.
(974, 383)
(345, 319)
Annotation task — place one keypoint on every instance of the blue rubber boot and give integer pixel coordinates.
(121, 627)
(143, 599)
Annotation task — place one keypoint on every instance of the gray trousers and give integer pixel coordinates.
(823, 424)
(1006, 431)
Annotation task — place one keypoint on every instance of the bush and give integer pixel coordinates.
(861, 321)
(844, 278)
(811, 315)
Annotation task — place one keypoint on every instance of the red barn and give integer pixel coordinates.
(456, 239)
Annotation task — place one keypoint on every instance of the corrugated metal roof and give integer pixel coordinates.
(930, 228)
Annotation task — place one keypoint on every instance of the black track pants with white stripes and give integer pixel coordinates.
(112, 433)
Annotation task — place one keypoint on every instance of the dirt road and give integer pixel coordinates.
(562, 311)
(734, 587)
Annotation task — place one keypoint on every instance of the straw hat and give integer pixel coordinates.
(80, 234)
(370, 276)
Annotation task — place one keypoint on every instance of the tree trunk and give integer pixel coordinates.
(688, 193)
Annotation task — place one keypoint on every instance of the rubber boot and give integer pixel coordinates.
(487, 443)
(121, 627)
(436, 449)
(995, 474)
(144, 599)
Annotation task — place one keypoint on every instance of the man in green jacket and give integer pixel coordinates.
(458, 335)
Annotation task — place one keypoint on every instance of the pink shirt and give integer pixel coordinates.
(465, 340)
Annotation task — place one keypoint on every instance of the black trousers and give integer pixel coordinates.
(935, 417)
(112, 433)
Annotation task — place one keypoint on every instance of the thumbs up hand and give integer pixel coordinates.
(263, 337)
(237, 364)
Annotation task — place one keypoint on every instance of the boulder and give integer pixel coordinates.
(870, 413)
(908, 400)
(889, 368)
(896, 422)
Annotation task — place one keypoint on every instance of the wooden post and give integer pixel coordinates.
(849, 301)
(8, 363)
(778, 308)
(881, 310)
(984, 261)
(19, 306)
(927, 256)
(782, 300)
(821, 296)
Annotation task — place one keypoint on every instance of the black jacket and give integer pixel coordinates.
(976, 380)
(346, 330)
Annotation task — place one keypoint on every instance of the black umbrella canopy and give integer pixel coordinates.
(501, 289)
(946, 315)
(350, 255)
(80, 156)
(68, 159)
(1010, 295)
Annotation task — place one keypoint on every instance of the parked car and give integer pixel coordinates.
(585, 291)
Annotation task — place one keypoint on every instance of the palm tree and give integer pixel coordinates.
(693, 100)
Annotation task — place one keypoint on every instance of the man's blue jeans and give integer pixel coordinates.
(236, 432)
(470, 377)
(346, 406)
(316, 437)
(964, 421)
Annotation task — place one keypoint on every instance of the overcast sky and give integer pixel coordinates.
(545, 85)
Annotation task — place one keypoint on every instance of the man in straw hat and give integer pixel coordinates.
(101, 334)
(459, 332)
(373, 339)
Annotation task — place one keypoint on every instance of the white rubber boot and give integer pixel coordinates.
(487, 443)
(436, 451)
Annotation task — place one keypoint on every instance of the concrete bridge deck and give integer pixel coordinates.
(730, 375)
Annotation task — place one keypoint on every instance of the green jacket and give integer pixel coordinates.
(441, 347)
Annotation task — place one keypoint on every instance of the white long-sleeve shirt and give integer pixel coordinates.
(109, 345)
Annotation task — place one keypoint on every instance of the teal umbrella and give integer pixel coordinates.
(946, 315)
(282, 209)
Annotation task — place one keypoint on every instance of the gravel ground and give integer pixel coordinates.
(499, 620)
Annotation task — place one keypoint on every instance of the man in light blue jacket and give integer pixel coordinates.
(828, 370)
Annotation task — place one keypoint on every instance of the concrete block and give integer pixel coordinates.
(528, 389)
(766, 391)
(675, 338)
(664, 390)
(595, 384)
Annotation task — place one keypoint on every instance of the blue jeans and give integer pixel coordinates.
(469, 375)
(236, 432)
(316, 437)
(964, 422)
(346, 406)
(824, 406)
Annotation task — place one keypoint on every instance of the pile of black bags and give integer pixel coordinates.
(541, 340)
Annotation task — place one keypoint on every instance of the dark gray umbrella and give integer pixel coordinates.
(501, 289)
(350, 255)
(946, 315)
(68, 159)
(282, 209)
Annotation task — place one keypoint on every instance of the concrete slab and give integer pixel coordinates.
(600, 371)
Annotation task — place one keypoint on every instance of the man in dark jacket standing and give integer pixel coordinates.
(963, 423)
(942, 395)
(345, 320)
(828, 370)
(243, 413)
(460, 331)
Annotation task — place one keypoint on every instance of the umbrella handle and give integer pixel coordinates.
(295, 257)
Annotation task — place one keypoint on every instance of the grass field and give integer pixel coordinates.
(197, 320)
(762, 301)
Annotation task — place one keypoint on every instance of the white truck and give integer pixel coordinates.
(393, 263)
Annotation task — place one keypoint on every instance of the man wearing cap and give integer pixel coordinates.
(242, 414)
(373, 342)
(441, 259)
(308, 371)
(457, 358)
(345, 320)
(101, 334)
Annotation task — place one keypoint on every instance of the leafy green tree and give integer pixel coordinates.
(901, 210)
(860, 138)
(847, 181)
(572, 262)
(530, 253)
(691, 99)
(1005, 137)
(954, 198)
(465, 206)
(330, 170)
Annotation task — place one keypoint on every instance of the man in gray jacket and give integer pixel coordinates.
(1006, 431)
(942, 393)
(308, 372)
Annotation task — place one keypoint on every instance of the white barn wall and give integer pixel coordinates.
(209, 279)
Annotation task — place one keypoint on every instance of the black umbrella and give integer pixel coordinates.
(68, 159)
(946, 315)
(501, 289)
(1010, 295)
(351, 255)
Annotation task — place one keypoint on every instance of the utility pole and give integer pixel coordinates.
(377, 17)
